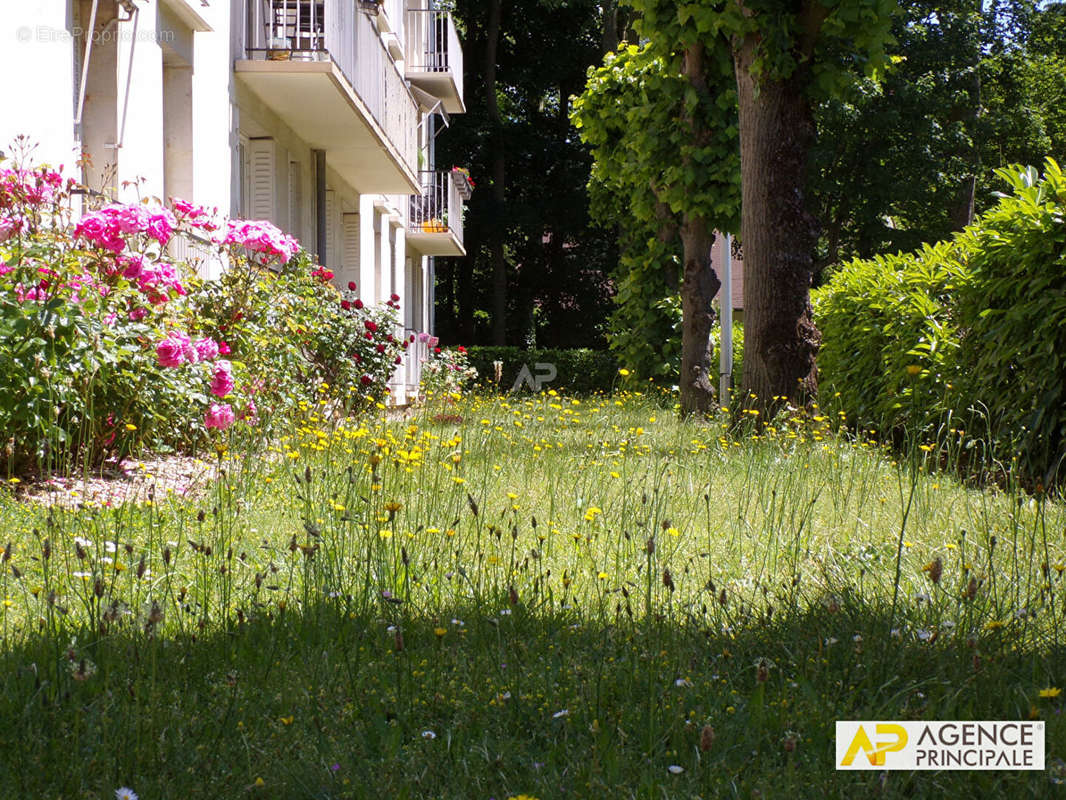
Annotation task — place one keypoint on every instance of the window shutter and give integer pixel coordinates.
(351, 245)
(262, 179)
(244, 179)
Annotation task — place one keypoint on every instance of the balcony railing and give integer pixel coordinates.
(434, 55)
(338, 31)
(439, 209)
(199, 253)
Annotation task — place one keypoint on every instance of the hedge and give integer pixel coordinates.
(577, 371)
(968, 334)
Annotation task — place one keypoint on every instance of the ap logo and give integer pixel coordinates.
(891, 738)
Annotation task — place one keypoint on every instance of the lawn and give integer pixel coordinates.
(541, 596)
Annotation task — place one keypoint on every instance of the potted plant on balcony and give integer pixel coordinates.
(279, 49)
(435, 225)
(463, 182)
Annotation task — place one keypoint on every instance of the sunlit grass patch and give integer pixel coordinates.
(552, 593)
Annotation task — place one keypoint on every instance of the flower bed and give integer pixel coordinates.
(109, 345)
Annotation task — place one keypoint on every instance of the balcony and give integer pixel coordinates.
(436, 225)
(435, 57)
(321, 66)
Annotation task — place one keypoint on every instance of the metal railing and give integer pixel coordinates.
(439, 209)
(201, 254)
(433, 43)
(338, 31)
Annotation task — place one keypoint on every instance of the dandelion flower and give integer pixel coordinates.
(1051, 692)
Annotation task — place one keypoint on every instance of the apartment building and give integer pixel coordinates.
(318, 115)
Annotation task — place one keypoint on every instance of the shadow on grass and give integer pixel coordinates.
(496, 702)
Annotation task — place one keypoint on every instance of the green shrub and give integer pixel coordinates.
(1014, 316)
(445, 370)
(969, 333)
(882, 319)
(296, 332)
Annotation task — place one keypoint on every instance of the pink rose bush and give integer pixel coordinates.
(445, 370)
(175, 358)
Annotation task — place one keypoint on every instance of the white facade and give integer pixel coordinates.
(318, 115)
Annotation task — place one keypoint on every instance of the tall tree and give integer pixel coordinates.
(783, 53)
(535, 270)
(662, 125)
(786, 55)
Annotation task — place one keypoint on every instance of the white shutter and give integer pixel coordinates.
(351, 246)
(296, 200)
(262, 179)
(331, 232)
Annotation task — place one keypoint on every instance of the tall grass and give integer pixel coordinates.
(545, 595)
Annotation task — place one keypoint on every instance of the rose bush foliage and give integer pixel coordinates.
(109, 344)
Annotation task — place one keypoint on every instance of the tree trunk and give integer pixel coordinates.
(699, 284)
(962, 213)
(609, 42)
(778, 233)
(499, 175)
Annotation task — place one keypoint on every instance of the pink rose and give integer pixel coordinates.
(222, 382)
(132, 265)
(161, 226)
(207, 350)
(128, 219)
(173, 351)
(92, 227)
(219, 415)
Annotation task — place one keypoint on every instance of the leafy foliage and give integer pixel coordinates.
(967, 91)
(296, 331)
(1015, 315)
(649, 172)
(972, 329)
(531, 171)
(447, 370)
(108, 344)
(882, 320)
